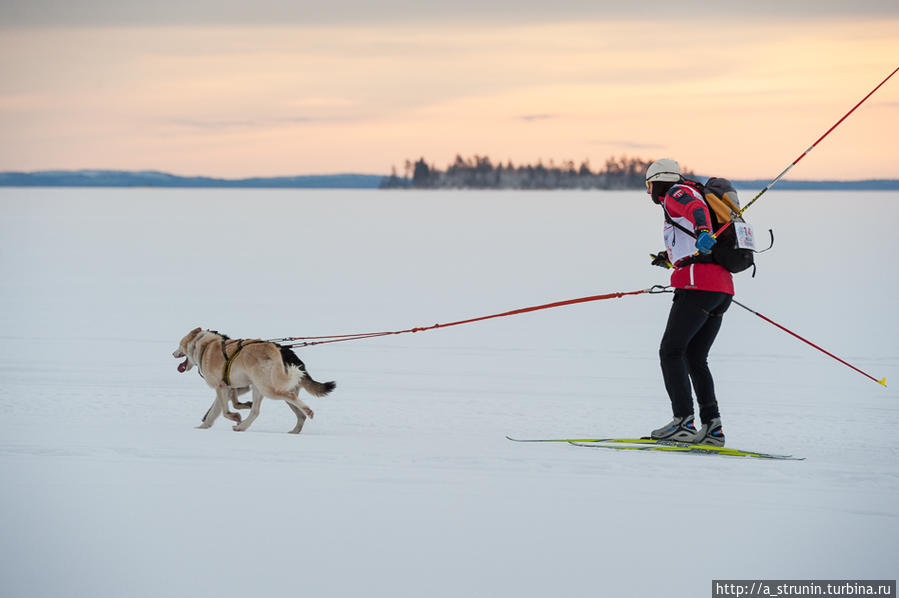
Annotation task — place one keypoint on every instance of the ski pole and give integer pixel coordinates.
(882, 381)
(771, 184)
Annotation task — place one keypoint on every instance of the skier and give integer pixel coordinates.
(703, 292)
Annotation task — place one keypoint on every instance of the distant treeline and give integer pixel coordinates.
(152, 178)
(479, 172)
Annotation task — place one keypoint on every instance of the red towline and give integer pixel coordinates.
(306, 341)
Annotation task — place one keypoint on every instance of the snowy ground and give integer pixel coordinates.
(404, 484)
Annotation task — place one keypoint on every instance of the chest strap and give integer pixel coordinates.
(226, 372)
(200, 359)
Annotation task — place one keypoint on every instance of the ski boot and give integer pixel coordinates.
(679, 429)
(711, 433)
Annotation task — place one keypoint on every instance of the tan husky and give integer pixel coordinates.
(232, 367)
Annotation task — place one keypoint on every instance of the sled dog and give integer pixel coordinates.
(233, 367)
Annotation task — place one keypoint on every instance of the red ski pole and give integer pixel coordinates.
(882, 381)
(771, 184)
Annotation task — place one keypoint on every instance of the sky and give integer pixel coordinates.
(273, 87)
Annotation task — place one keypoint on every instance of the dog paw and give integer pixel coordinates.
(235, 417)
(237, 428)
(308, 412)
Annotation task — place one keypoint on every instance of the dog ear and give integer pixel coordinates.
(190, 336)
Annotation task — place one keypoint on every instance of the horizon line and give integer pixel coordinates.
(63, 171)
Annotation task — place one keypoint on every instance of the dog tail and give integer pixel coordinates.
(316, 389)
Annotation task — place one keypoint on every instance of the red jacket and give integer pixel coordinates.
(685, 206)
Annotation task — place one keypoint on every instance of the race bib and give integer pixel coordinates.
(668, 235)
(745, 238)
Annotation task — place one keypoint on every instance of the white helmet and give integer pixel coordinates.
(663, 170)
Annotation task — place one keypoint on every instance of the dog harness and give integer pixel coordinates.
(226, 372)
(200, 360)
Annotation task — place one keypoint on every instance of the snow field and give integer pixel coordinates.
(404, 484)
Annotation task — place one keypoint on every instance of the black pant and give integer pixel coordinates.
(693, 324)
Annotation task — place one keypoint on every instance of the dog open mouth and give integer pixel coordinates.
(184, 365)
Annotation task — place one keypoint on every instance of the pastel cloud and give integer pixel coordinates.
(243, 101)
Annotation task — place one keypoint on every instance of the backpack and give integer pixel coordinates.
(735, 248)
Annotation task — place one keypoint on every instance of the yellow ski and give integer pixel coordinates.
(648, 444)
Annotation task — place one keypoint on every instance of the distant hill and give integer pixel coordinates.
(864, 185)
(149, 178)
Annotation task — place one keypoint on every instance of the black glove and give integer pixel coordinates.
(660, 259)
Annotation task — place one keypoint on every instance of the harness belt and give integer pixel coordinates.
(200, 359)
(226, 372)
